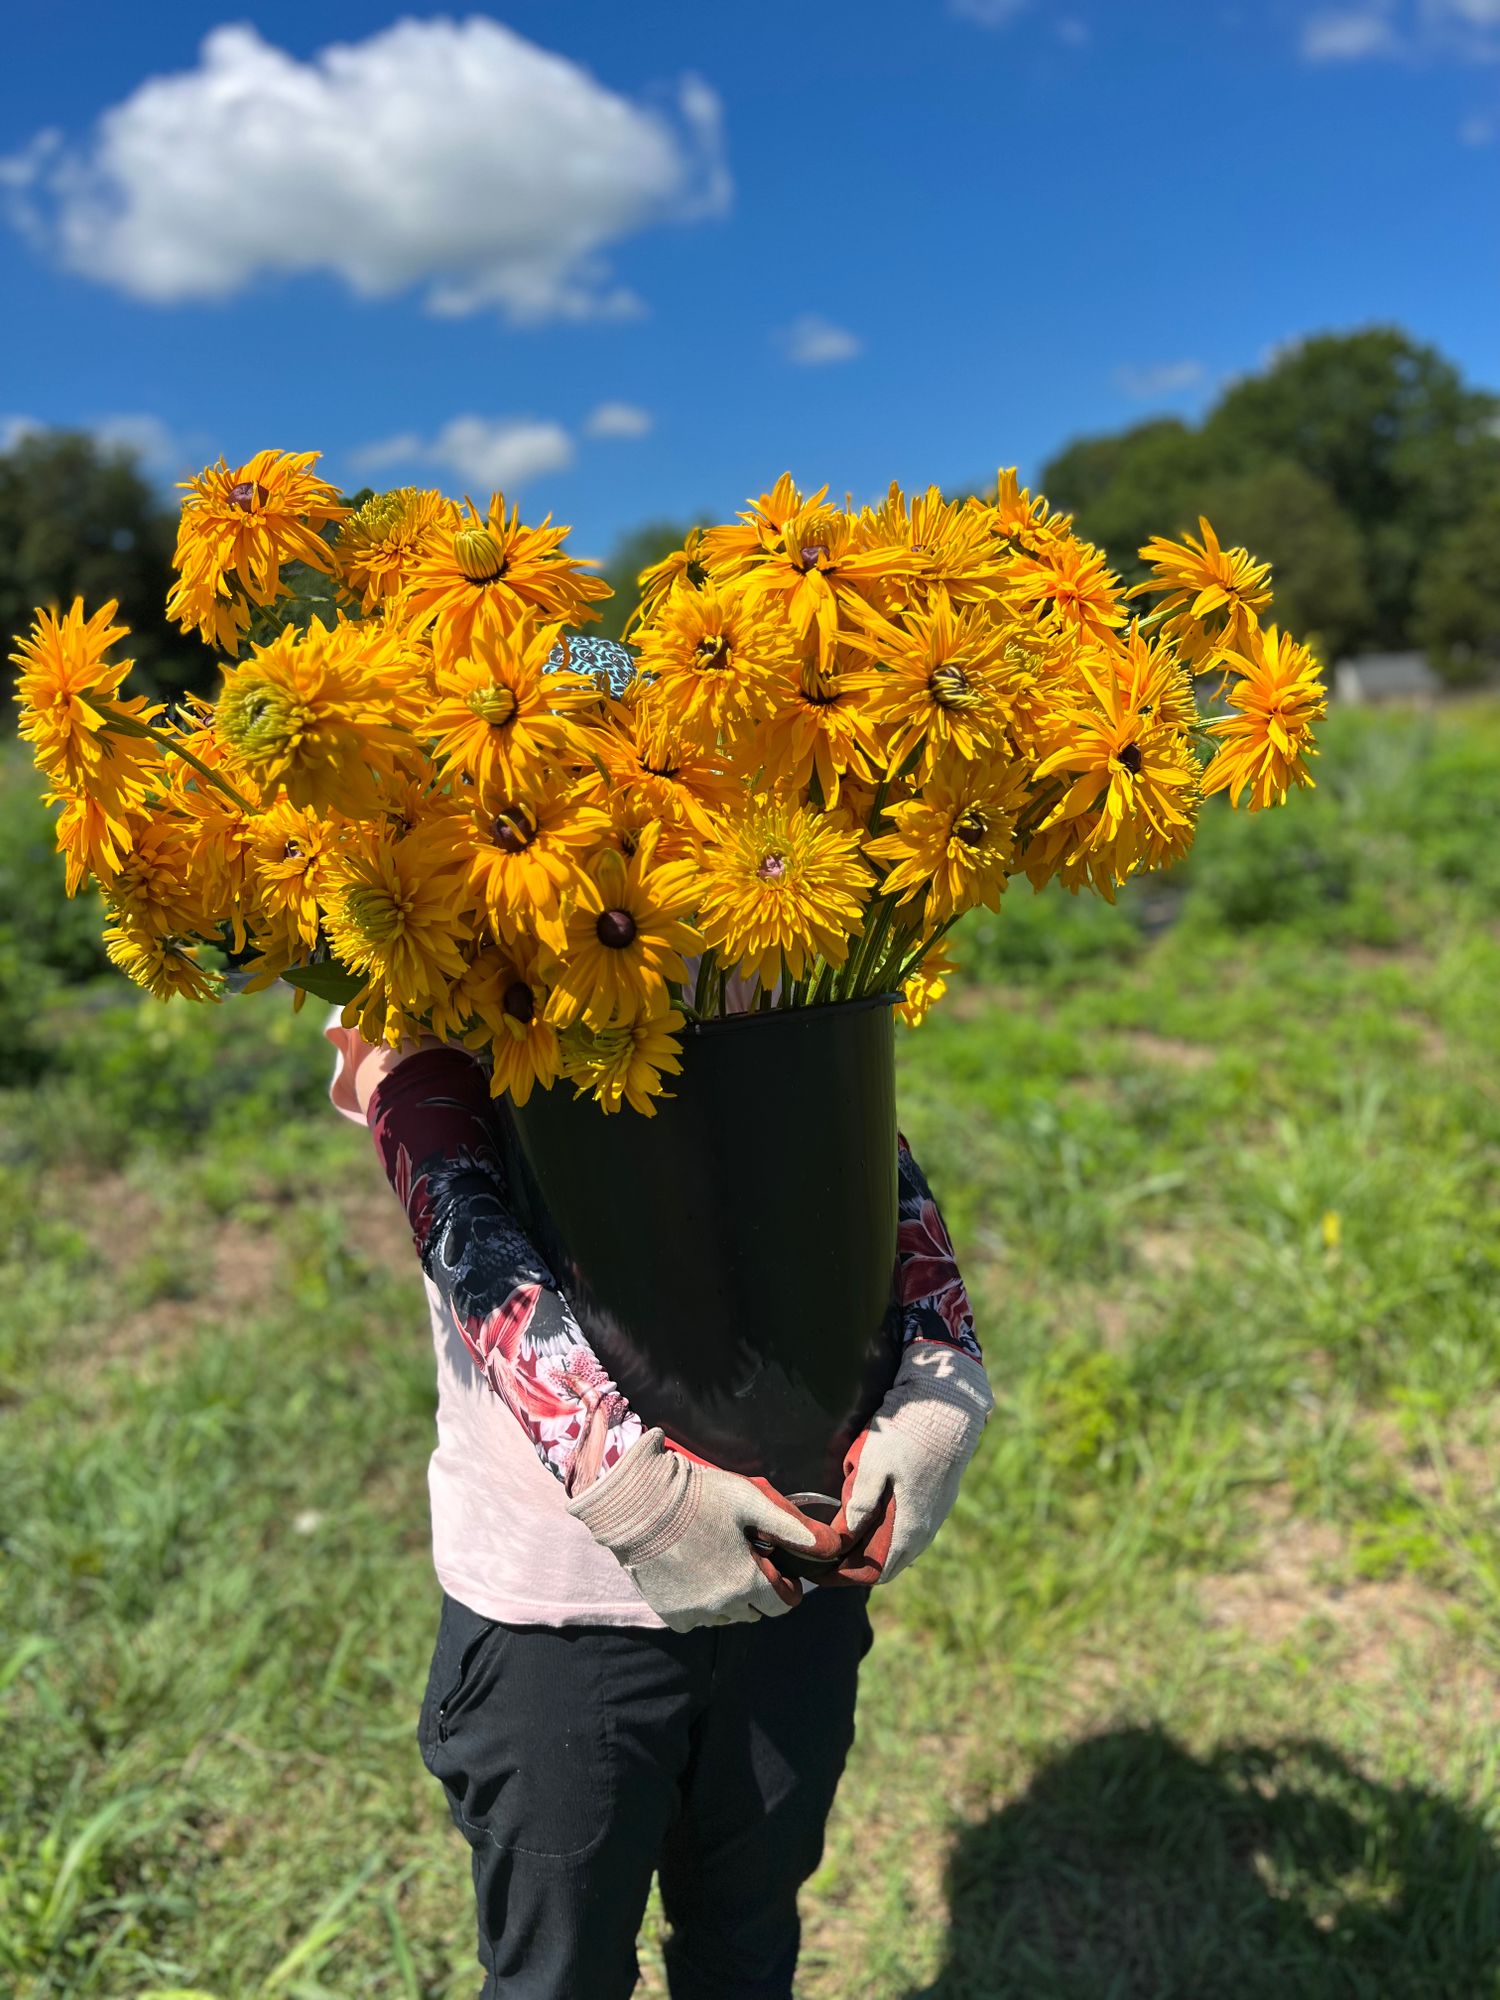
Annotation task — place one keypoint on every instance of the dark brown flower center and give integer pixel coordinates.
(950, 686)
(291, 852)
(1131, 758)
(513, 829)
(971, 827)
(772, 868)
(248, 493)
(519, 1002)
(615, 928)
(813, 553)
(712, 654)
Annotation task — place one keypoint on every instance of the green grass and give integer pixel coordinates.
(1197, 1695)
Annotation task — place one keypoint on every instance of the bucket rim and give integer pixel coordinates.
(860, 1004)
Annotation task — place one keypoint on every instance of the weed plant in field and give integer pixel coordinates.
(1195, 1694)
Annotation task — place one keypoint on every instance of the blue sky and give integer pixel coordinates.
(640, 259)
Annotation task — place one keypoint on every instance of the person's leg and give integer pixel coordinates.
(561, 1752)
(767, 1757)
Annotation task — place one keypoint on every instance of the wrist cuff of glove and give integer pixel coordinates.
(934, 1381)
(643, 1504)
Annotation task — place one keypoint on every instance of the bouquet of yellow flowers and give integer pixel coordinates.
(841, 728)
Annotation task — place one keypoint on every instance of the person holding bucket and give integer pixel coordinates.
(625, 1681)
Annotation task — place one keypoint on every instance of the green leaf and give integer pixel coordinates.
(325, 981)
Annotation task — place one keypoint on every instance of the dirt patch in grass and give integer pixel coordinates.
(374, 1228)
(1170, 1051)
(1303, 1578)
(969, 1003)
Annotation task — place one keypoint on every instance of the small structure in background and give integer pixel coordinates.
(1376, 677)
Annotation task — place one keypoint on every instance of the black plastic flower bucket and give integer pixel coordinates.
(732, 1259)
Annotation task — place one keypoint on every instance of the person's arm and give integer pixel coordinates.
(430, 1118)
(681, 1529)
(902, 1472)
(934, 1302)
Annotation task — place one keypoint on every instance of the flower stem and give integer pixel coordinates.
(130, 725)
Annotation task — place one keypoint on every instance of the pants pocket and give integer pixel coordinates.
(520, 1738)
(461, 1633)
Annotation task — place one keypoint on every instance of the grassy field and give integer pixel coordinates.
(1197, 1695)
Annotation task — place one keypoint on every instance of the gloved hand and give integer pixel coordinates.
(682, 1528)
(901, 1473)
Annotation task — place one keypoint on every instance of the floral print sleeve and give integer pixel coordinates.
(431, 1123)
(934, 1302)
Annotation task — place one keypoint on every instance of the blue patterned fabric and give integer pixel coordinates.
(592, 655)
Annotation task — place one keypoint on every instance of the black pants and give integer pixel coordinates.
(577, 1760)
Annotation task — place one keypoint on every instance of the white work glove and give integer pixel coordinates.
(901, 1473)
(682, 1529)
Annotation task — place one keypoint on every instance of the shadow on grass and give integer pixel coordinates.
(1132, 1870)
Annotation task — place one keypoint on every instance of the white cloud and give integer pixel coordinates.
(488, 454)
(1467, 30)
(989, 13)
(144, 435)
(14, 427)
(1478, 131)
(154, 443)
(454, 157)
(1350, 34)
(813, 342)
(617, 420)
(1161, 378)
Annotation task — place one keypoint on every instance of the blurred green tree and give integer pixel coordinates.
(635, 551)
(1291, 520)
(77, 519)
(1457, 619)
(1348, 464)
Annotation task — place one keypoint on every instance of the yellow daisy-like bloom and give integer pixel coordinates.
(952, 545)
(501, 719)
(925, 987)
(653, 776)
(500, 1007)
(1161, 686)
(682, 568)
(945, 685)
(156, 889)
(69, 696)
(395, 910)
(1132, 782)
(238, 527)
(527, 853)
(286, 850)
(727, 549)
(1278, 695)
(165, 968)
(91, 839)
(819, 573)
(625, 938)
(1216, 593)
(625, 1065)
(379, 543)
(820, 731)
(492, 570)
(1015, 516)
(712, 663)
(323, 715)
(782, 887)
(1075, 583)
(955, 841)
